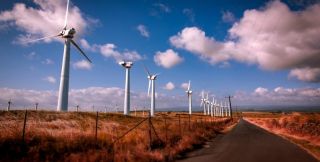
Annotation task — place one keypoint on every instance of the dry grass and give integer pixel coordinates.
(53, 136)
(300, 128)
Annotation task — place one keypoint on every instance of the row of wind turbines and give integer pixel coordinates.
(216, 108)
(68, 34)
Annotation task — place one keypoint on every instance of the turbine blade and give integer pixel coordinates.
(149, 87)
(75, 44)
(35, 40)
(146, 69)
(189, 86)
(66, 16)
(202, 94)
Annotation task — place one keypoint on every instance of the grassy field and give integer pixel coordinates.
(54, 136)
(300, 128)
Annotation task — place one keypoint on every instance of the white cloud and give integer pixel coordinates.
(108, 50)
(306, 74)
(163, 7)
(83, 64)
(31, 20)
(167, 59)
(86, 98)
(189, 13)
(169, 86)
(280, 96)
(143, 30)
(31, 56)
(50, 79)
(261, 38)
(260, 91)
(194, 40)
(184, 86)
(47, 62)
(228, 17)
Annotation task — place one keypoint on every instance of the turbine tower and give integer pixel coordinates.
(212, 107)
(189, 93)
(9, 105)
(152, 78)
(36, 106)
(126, 105)
(67, 35)
(203, 102)
(208, 104)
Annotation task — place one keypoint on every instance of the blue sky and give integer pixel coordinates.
(260, 52)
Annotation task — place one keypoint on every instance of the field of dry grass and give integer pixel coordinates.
(300, 128)
(54, 136)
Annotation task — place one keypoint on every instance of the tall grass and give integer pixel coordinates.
(53, 136)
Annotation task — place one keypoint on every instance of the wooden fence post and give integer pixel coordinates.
(24, 125)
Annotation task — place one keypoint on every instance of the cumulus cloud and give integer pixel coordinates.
(169, 86)
(31, 20)
(143, 30)
(260, 38)
(109, 50)
(167, 59)
(306, 74)
(260, 91)
(194, 40)
(50, 79)
(228, 17)
(280, 96)
(99, 97)
(184, 86)
(83, 64)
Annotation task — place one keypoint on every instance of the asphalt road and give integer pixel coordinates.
(249, 143)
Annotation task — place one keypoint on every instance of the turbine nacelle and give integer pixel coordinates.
(68, 33)
(152, 77)
(126, 64)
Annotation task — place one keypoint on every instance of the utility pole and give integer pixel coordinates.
(229, 97)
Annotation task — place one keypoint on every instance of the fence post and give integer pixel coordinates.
(189, 122)
(166, 128)
(179, 125)
(24, 125)
(96, 136)
(150, 135)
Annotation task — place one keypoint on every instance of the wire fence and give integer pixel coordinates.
(113, 134)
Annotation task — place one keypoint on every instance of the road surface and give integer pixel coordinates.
(249, 143)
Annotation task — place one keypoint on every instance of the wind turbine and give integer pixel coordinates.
(203, 102)
(212, 106)
(126, 105)
(189, 93)
(9, 105)
(152, 78)
(67, 35)
(222, 111)
(208, 104)
(36, 106)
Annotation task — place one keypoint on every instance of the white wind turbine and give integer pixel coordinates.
(67, 35)
(189, 93)
(212, 107)
(126, 105)
(203, 102)
(222, 109)
(152, 78)
(208, 104)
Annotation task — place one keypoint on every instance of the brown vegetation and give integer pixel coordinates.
(300, 128)
(53, 136)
